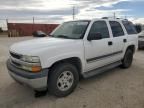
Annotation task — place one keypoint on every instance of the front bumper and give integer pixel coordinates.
(37, 81)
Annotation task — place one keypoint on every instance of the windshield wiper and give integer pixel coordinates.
(63, 36)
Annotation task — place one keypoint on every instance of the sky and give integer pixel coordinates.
(58, 11)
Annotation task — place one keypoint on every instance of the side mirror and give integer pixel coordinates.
(94, 36)
(39, 34)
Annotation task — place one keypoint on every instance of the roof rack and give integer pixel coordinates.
(122, 19)
(125, 19)
(105, 17)
(114, 18)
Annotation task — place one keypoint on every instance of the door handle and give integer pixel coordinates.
(124, 40)
(110, 43)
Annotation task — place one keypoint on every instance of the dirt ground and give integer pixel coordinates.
(117, 88)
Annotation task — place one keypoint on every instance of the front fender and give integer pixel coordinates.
(50, 61)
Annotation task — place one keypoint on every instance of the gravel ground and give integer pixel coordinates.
(117, 88)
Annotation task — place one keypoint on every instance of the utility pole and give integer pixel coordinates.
(33, 20)
(114, 15)
(125, 17)
(33, 24)
(7, 28)
(7, 23)
(73, 14)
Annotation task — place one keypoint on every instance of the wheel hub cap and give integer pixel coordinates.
(65, 80)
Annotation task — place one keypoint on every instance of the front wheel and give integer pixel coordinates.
(63, 79)
(127, 60)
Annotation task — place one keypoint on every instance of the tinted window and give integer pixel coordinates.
(100, 27)
(116, 29)
(129, 27)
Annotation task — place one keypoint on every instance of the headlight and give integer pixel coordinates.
(33, 63)
(31, 59)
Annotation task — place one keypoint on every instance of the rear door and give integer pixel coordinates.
(119, 39)
(132, 36)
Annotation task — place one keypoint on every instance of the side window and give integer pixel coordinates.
(129, 27)
(100, 27)
(116, 29)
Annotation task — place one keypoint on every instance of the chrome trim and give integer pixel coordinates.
(90, 60)
(20, 56)
(23, 62)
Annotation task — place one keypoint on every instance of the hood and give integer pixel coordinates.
(35, 45)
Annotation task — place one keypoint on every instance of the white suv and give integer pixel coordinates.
(75, 49)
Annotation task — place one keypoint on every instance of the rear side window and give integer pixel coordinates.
(100, 27)
(116, 29)
(129, 27)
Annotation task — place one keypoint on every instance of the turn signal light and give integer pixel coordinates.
(36, 68)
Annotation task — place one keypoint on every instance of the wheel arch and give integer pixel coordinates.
(131, 47)
(76, 61)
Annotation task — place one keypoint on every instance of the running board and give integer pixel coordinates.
(101, 69)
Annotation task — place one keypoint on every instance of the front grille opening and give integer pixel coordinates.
(16, 64)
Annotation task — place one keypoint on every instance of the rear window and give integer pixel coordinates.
(116, 29)
(129, 27)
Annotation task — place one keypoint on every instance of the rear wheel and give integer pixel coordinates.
(128, 58)
(63, 79)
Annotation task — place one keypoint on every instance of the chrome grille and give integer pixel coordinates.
(15, 63)
(14, 55)
(14, 58)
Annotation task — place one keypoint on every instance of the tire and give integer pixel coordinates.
(140, 48)
(63, 79)
(128, 58)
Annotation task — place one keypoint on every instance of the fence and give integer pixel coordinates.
(25, 27)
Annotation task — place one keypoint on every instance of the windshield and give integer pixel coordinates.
(71, 30)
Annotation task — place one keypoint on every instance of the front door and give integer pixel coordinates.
(98, 52)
